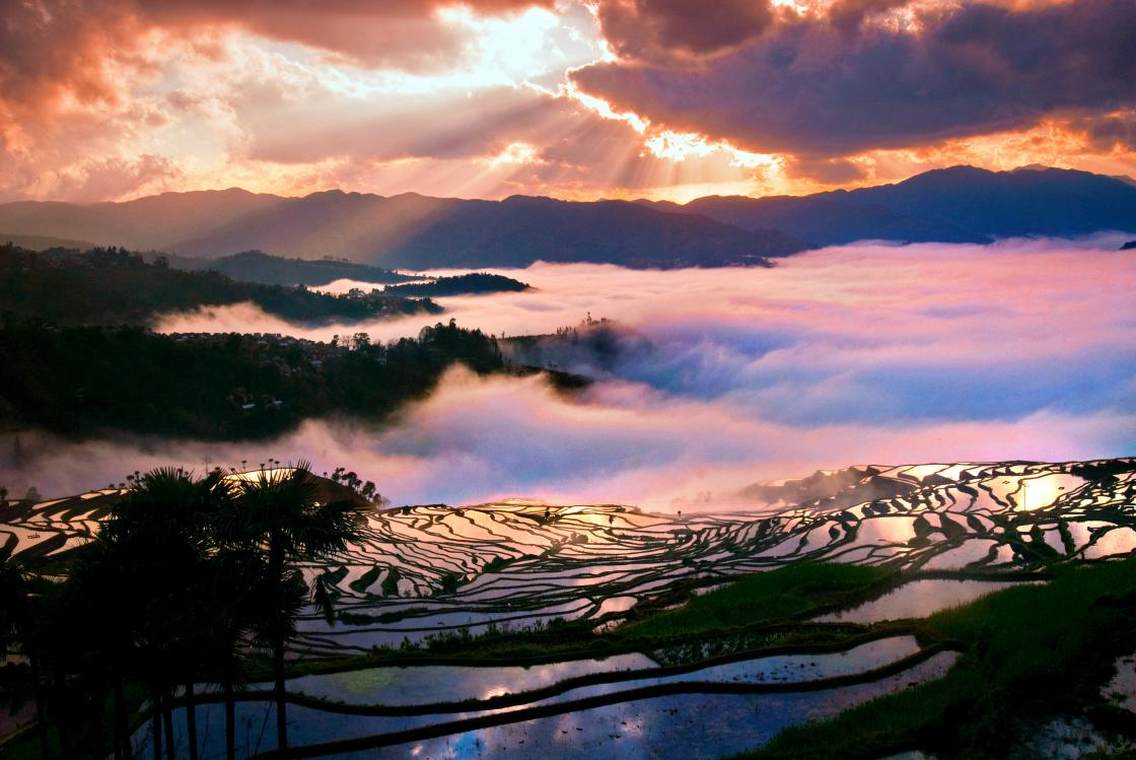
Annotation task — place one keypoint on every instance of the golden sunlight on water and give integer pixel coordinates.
(1037, 493)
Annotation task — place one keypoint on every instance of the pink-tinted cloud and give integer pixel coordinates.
(864, 353)
(481, 439)
(52, 47)
(88, 89)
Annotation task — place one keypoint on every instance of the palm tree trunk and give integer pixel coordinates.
(63, 711)
(190, 719)
(156, 727)
(230, 711)
(97, 709)
(276, 573)
(281, 703)
(41, 711)
(121, 731)
(168, 720)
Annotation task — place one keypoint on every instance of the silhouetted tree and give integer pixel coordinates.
(278, 513)
(159, 544)
(17, 630)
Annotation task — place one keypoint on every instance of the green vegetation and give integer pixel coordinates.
(782, 594)
(78, 380)
(1030, 653)
(113, 286)
(474, 283)
(759, 611)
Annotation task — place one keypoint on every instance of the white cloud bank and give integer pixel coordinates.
(865, 353)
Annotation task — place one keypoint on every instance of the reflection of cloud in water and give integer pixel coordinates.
(846, 355)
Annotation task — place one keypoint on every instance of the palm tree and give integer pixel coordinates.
(278, 514)
(235, 585)
(156, 547)
(97, 599)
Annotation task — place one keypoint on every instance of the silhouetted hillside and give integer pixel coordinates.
(42, 242)
(257, 266)
(411, 231)
(418, 232)
(474, 283)
(71, 380)
(113, 286)
(149, 223)
(960, 204)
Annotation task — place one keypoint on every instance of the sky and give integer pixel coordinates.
(866, 353)
(666, 99)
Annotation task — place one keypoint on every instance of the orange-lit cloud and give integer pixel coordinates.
(570, 98)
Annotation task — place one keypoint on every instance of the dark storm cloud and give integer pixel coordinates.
(666, 29)
(809, 86)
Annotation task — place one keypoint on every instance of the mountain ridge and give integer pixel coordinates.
(961, 204)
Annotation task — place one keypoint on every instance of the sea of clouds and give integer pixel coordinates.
(846, 355)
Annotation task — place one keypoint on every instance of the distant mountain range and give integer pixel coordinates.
(961, 204)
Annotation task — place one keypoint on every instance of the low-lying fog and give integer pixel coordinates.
(863, 353)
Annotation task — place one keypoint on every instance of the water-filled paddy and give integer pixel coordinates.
(694, 725)
(917, 599)
(431, 684)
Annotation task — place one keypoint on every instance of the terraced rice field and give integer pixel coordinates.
(428, 570)
(433, 570)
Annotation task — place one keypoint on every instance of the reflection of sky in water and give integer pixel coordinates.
(686, 725)
(440, 683)
(436, 683)
(917, 599)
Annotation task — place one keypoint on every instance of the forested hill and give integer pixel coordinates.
(113, 286)
(257, 266)
(472, 284)
(70, 380)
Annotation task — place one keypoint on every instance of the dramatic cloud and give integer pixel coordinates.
(848, 355)
(583, 99)
(53, 46)
(807, 86)
(677, 29)
(94, 100)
